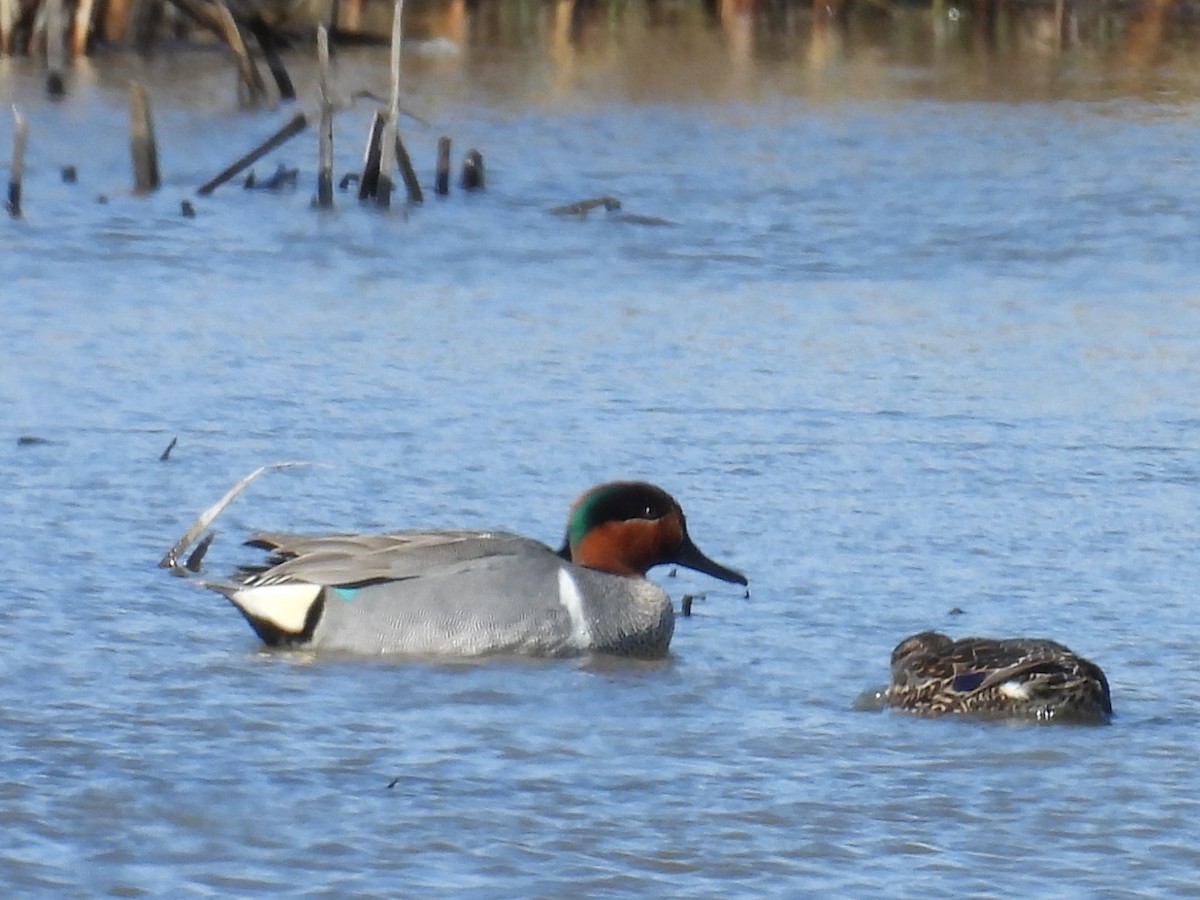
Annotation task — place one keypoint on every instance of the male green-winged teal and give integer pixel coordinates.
(466, 593)
(1020, 678)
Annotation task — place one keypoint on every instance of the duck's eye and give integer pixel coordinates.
(653, 511)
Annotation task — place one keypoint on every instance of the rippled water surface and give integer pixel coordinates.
(918, 339)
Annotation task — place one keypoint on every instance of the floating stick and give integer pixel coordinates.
(170, 560)
(166, 454)
(297, 124)
(325, 135)
(442, 185)
(17, 167)
(141, 141)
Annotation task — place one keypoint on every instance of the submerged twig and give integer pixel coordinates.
(171, 559)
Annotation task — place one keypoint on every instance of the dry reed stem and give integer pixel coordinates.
(17, 166)
(141, 141)
(442, 183)
(325, 134)
(387, 140)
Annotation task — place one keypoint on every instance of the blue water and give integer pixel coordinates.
(900, 353)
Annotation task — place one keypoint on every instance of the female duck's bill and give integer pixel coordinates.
(466, 593)
(1018, 678)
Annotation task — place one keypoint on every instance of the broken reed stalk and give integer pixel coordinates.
(17, 167)
(55, 48)
(389, 137)
(441, 185)
(369, 180)
(325, 137)
(251, 80)
(81, 27)
(141, 141)
(296, 125)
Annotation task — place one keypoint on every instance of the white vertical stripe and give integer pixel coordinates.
(572, 601)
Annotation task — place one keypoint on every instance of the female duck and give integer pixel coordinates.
(1024, 678)
(466, 593)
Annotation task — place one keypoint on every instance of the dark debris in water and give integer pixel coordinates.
(283, 179)
(581, 208)
(166, 454)
(32, 440)
(472, 178)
